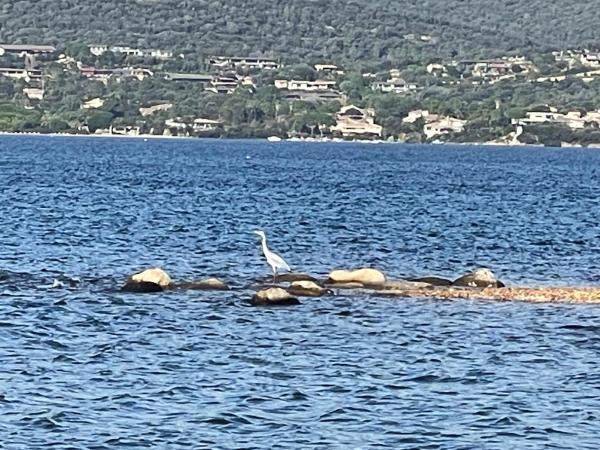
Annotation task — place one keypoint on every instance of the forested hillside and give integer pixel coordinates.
(372, 32)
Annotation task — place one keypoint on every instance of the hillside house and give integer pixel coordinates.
(150, 110)
(23, 50)
(159, 54)
(329, 69)
(438, 126)
(222, 85)
(125, 130)
(570, 57)
(33, 93)
(195, 77)
(303, 85)
(492, 68)
(21, 74)
(187, 126)
(354, 121)
(308, 91)
(93, 103)
(486, 69)
(394, 85)
(573, 119)
(313, 96)
(437, 70)
(104, 75)
(200, 125)
(415, 115)
(590, 59)
(99, 50)
(243, 62)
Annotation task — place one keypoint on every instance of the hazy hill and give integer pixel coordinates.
(370, 31)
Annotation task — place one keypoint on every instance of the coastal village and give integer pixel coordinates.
(329, 90)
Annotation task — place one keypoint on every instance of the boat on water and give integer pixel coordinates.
(274, 139)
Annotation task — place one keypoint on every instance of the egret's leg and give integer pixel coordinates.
(274, 276)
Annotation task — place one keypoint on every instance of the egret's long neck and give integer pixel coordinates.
(264, 244)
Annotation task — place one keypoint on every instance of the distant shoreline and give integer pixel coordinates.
(303, 140)
(128, 136)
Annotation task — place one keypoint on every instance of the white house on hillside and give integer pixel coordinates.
(354, 121)
(443, 125)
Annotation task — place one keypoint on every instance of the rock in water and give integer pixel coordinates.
(273, 297)
(291, 277)
(141, 287)
(367, 277)
(406, 285)
(481, 278)
(348, 285)
(209, 284)
(150, 280)
(433, 281)
(307, 289)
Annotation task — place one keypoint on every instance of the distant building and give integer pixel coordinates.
(223, 85)
(26, 49)
(188, 125)
(413, 116)
(21, 74)
(437, 70)
(354, 121)
(243, 62)
(496, 68)
(443, 125)
(303, 85)
(93, 103)
(99, 50)
(159, 54)
(394, 85)
(105, 74)
(590, 59)
(200, 125)
(125, 130)
(127, 51)
(34, 93)
(154, 109)
(573, 119)
(309, 91)
(329, 68)
(485, 69)
(313, 96)
(195, 77)
(570, 57)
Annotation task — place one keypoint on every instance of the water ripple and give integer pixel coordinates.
(85, 366)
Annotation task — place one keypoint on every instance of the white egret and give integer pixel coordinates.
(275, 261)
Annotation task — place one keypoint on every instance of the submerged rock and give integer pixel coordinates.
(367, 277)
(141, 287)
(406, 284)
(274, 297)
(150, 280)
(481, 278)
(209, 284)
(433, 281)
(292, 277)
(307, 289)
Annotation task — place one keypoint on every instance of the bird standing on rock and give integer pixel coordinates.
(275, 261)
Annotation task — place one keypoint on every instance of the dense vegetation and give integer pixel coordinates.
(375, 32)
(360, 36)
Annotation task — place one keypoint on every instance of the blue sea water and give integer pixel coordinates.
(86, 367)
